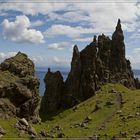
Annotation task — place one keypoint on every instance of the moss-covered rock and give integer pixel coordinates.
(19, 88)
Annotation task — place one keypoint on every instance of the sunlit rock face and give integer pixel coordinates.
(19, 88)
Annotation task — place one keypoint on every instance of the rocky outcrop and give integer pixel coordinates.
(72, 90)
(19, 88)
(51, 101)
(19, 65)
(102, 61)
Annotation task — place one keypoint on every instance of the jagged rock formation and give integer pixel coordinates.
(54, 89)
(102, 61)
(19, 88)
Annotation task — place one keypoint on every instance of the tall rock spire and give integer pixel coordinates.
(118, 48)
(118, 27)
(118, 34)
(72, 84)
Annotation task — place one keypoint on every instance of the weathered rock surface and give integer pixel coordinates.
(19, 88)
(51, 101)
(24, 127)
(102, 61)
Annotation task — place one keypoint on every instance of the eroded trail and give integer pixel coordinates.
(118, 102)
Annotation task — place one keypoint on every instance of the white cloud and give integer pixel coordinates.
(32, 8)
(101, 17)
(4, 56)
(58, 61)
(65, 30)
(89, 39)
(59, 46)
(70, 16)
(37, 23)
(98, 16)
(19, 31)
(134, 58)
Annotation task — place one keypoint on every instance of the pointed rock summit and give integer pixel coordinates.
(100, 62)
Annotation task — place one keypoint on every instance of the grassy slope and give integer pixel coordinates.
(105, 121)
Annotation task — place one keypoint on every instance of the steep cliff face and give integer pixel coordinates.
(51, 101)
(72, 84)
(102, 61)
(19, 88)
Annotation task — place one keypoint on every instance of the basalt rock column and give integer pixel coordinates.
(118, 49)
(51, 101)
(73, 93)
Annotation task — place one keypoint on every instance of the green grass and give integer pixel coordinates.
(106, 116)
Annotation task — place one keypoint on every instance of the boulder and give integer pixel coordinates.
(24, 121)
(19, 88)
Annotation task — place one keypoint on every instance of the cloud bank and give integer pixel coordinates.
(19, 31)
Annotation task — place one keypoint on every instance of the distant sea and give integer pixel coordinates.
(41, 72)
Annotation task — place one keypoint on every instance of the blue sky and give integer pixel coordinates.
(47, 31)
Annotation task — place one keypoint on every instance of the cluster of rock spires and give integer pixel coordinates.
(19, 88)
(102, 61)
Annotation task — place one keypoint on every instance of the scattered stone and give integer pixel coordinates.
(121, 115)
(120, 125)
(97, 107)
(134, 137)
(83, 124)
(130, 116)
(137, 113)
(44, 133)
(108, 103)
(106, 135)
(77, 125)
(2, 131)
(137, 133)
(32, 130)
(124, 134)
(21, 133)
(23, 121)
(58, 127)
(123, 119)
(87, 119)
(75, 108)
(112, 91)
(60, 135)
(119, 111)
(1, 135)
(32, 136)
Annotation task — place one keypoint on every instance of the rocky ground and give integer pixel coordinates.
(113, 113)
